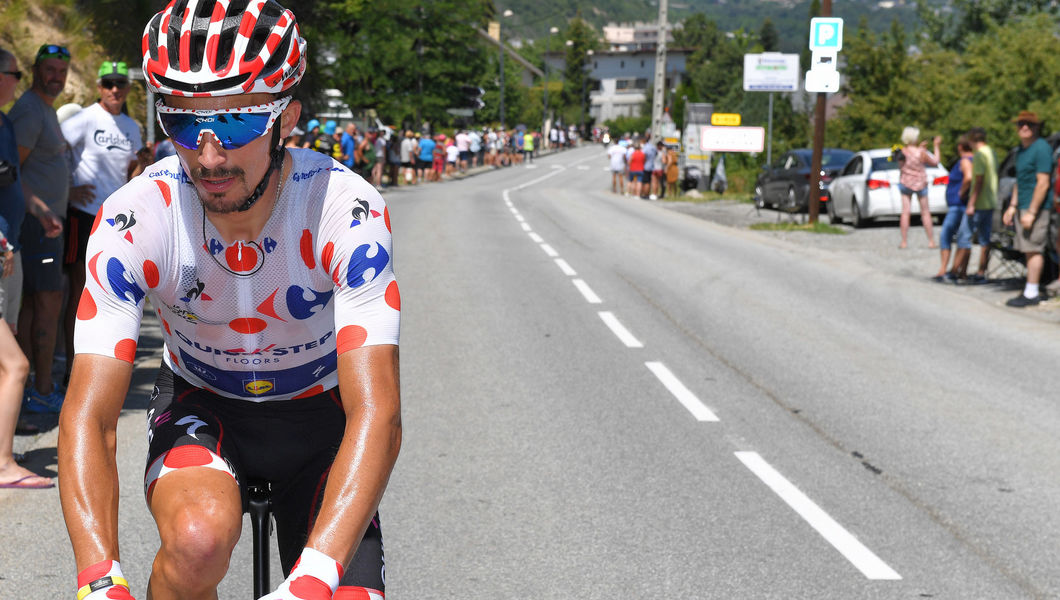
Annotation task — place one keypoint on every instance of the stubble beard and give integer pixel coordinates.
(217, 202)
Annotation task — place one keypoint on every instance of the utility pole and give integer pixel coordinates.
(818, 140)
(660, 75)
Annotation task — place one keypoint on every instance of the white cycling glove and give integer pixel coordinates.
(314, 577)
(103, 581)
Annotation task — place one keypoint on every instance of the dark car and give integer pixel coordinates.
(786, 183)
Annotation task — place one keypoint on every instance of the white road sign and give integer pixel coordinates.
(771, 72)
(731, 139)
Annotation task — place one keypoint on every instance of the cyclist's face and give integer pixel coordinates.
(226, 178)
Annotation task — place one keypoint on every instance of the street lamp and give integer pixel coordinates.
(544, 115)
(500, 38)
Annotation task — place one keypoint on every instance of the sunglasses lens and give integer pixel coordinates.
(121, 85)
(231, 130)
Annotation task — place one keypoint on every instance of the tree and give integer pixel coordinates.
(576, 86)
(966, 19)
(768, 36)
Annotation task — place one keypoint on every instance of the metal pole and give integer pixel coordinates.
(818, 141)
(500, 38)
(769, 140)
(660, 75)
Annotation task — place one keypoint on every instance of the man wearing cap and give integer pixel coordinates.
(104, 143)
(349, 142)
(1031, 203)
(45, 185)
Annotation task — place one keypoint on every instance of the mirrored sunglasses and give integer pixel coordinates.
(109, 84)
(231, 127)
(52, 51)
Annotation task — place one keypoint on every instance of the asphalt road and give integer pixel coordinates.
(606, 398)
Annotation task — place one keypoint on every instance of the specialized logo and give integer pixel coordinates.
(361, 263)
(121, 282)
(302, 307)
(196, 291)
(111, 141)
(362, 212)
(194, 424)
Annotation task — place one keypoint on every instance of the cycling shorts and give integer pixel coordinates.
(77, 228)
(289, 444)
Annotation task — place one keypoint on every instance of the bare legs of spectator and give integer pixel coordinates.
(13, 371)
(925, 219)
(960, 262)
(984, 259)
(38, 326)
(1035, 262)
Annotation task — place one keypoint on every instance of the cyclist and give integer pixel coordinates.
(269, 268)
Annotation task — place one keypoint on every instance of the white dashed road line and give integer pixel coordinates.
(682, 393)
(549, 250)
(860, 556)
(590, 295)
(526, 227)
(537, 239)
(620, 330)
(566, 268)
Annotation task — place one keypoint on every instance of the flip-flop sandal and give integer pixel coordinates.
(17, 484)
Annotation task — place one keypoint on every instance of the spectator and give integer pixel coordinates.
(103, 147)
(13, 364)
(312, 133)
(1031, 203)
(366, 157)
(636, 170)
(982, 199)
(650, 152)
(474, 146)
(165, 148)
(617, 154)
(658, 172)
(913, 180)
(349, 143)
(673, 171)
(438, 158)
(296, 138)
(424, 157)
(393, 156)
(379, 141)
(955, 224)
(463, 144)
(452, 158)
(408, 157)
(528, 146)
(45, 186)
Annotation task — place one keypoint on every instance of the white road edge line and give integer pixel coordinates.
(619, 330)
(519, 218)
(566, 268)
(526, 227)
(537, 239)
(861, 557)
(549, 250)
(586, 291)
(683, 394)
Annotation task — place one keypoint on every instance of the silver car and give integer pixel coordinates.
(867, 188)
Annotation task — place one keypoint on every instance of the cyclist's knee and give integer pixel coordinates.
(198, 532)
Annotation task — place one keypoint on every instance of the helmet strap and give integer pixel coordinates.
(275, 163)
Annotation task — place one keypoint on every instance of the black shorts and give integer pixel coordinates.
(77, 228)
(42, 258)
(289, 443)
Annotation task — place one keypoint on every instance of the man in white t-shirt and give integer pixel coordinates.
(617, 154)
(104, 145)
(463, 144)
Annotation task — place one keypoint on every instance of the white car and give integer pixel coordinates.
(867, 188)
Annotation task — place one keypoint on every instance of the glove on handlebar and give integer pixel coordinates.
(103, 581)
(314, 577)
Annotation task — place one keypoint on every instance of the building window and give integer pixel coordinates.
(621, 64)
(630, 84)
(642, 64)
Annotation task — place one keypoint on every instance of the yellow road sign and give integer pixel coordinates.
(727, 119)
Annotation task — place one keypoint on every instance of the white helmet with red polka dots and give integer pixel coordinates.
(206, 48)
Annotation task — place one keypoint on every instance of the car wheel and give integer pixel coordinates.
(856, 219)
(832, 217)
(791, 203)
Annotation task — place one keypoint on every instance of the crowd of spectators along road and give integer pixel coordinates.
(649, 168)
(388, 157)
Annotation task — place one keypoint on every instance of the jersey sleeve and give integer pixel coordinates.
(356, 249)
(120, 270)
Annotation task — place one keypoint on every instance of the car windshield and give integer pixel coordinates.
(835, 159)
(884, 163)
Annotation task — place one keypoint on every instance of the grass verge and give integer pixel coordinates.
(817, 227)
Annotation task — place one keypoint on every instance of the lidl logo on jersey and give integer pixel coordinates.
(259, 386)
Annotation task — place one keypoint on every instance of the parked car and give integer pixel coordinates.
(867, 188)
(786, 183)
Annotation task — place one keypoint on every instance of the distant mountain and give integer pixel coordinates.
(532, 18)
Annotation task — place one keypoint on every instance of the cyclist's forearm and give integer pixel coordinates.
(366, 454)
(88, 474)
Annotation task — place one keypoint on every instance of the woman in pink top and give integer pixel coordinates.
(913, 180)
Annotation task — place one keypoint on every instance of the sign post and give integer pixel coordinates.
(826, 40)
(770, 72)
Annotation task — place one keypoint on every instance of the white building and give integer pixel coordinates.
(635, 36)
(624, 78)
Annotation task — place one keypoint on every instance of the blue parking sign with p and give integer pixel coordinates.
(826, 33)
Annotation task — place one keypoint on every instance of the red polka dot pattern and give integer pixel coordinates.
(241, 257)
(349, 592)
(92, 268)
(250, 325)
(125, 350)
(95, 224)
(393, 296)
(326, 254)
(350, 337)
(308, 587)
(86, 307)
(386, 218)
(151, 274)
(306, 245)
(188, 456)
(313, 391)
(167, 196)
(93, 573)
